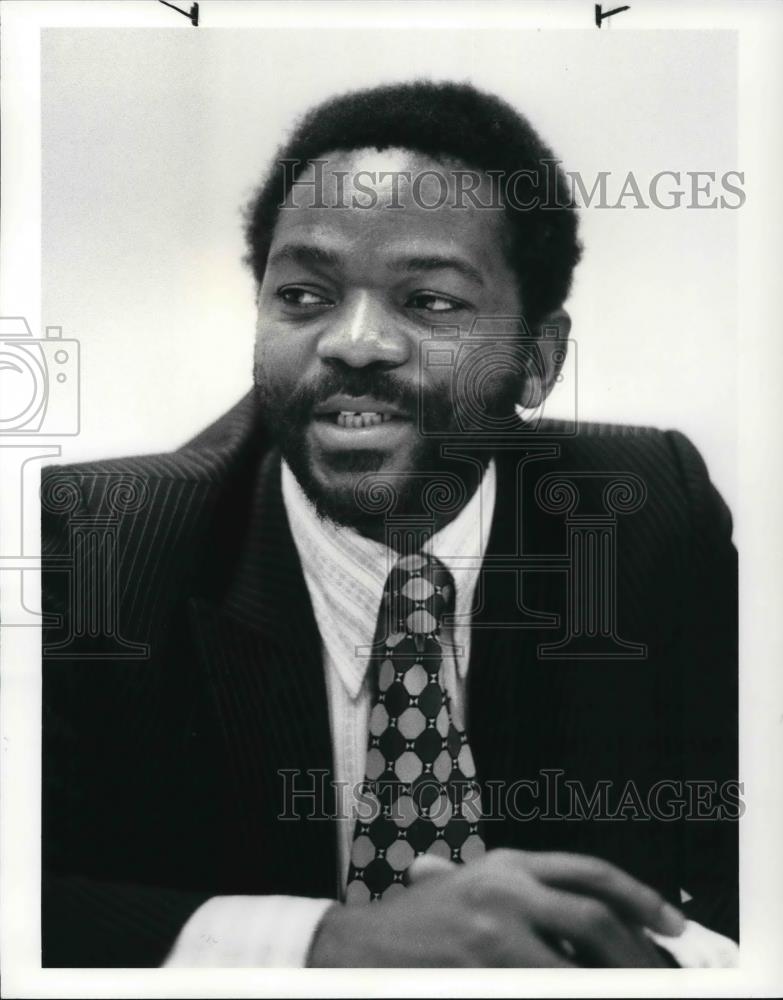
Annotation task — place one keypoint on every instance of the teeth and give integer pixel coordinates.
(348, 418)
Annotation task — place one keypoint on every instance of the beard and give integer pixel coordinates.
(433, 487)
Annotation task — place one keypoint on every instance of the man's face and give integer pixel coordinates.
(348, 295)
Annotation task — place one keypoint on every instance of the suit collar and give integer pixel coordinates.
(268, 590)
(248, 531)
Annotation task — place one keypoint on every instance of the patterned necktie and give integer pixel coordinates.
(420, 795)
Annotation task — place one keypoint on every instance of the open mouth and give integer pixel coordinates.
(357, 412)
(344, 422)
(357, 418)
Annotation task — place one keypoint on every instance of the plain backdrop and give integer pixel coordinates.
(153, 140)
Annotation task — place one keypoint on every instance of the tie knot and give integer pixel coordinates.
(418, 593)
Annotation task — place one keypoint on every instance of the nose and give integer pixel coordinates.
(363, 333)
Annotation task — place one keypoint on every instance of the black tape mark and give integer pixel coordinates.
(599, 15)
(192, 13)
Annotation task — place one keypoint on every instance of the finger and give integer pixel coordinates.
(599, 937)
(633, 900)
(532, 951)
(425, 867)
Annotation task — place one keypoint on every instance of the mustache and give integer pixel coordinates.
(383, 386)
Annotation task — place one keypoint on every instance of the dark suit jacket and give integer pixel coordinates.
(183, 682)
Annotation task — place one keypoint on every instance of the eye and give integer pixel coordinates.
(295, 295)
(434, 303)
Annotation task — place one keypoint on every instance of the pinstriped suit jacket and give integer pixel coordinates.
(183, 683)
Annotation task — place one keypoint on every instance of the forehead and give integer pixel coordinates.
(370, 204)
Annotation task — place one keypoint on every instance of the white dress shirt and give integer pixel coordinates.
(345, 575)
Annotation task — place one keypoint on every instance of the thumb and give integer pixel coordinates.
(425, 867)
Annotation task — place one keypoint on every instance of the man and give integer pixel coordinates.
(372, 672)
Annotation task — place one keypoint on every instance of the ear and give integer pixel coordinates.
(551, 335)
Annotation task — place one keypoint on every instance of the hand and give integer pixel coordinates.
(509, 908)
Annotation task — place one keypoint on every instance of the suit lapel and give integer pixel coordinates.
(259, 646)
(516, 710)
(495, 652)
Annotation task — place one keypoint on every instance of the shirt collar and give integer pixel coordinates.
(346, 573)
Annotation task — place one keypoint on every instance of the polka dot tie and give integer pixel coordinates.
(420, 795)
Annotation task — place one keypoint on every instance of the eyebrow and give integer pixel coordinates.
(305, 253)
(438, 263)
(308, 253)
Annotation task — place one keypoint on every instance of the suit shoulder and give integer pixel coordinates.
(206, 458)
(671, 468)
(589, 432)
(599, 442)
(181, 465)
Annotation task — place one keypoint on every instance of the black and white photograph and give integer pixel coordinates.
(390, 553)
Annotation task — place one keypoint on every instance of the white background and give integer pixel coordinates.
(152, 140)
